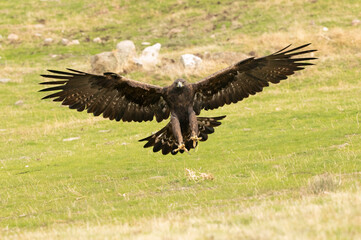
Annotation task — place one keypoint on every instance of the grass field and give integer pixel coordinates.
(286, 162)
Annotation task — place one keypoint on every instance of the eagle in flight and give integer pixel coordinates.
(120, 98)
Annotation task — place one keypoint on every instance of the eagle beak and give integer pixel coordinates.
(179, 84)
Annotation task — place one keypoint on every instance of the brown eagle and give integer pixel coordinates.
(120, 98)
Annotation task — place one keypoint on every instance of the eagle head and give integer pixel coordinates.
(180, 83)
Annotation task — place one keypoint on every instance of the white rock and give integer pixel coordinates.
(97, 40)
(70, 139)
(104, 131)
(125, 54)
(104, 62)
(48, 41)
(149, 57)
(145, 43)
(13, 37)
(74, 42)
(39, 25)
(354, 22)
(191, 61)
(126, 46)
(325, 29)
(4, 80)
(37, 34)
(19, 102)
(64, 41)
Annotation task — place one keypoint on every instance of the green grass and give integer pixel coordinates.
(264, 157)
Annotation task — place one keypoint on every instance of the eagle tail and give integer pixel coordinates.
(164, 139)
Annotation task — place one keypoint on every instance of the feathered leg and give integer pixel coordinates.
(193, 123)
(177, 132)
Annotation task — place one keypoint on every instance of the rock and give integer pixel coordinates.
(13, 37)
(104, 62)
(125, 54)
(191, 61)
(39, 26)
(48, 41)
(97, 40)
(70, 139)
(145, 43)
(37, 34)
(74, 42)
(325, 29)
(4, 80)
(104, 131)
(19, 102)
(64, 41)
(354, 22)
(149, 57)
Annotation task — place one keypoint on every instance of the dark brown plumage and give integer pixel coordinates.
(119, 98)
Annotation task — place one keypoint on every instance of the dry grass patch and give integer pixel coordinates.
(332, 216)
(197, 176)
(323, 183)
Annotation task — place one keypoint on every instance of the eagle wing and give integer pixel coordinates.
(247, 77)
(112, 95)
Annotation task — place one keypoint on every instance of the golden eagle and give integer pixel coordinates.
(120, 98)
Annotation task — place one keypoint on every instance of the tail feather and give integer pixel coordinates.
(165, 141)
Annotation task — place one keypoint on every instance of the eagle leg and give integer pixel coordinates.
(176, 129)
(193, 123)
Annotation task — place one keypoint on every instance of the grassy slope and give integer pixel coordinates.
(264, 157)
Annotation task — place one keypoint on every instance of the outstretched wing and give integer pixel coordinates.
(114, 96)
(247, 77)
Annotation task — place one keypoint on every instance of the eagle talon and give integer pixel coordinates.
(195, 139)
(181, 147)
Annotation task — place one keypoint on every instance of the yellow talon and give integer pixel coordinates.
(195, 140)
(181, 147)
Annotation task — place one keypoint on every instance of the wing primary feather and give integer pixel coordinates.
(305, 64)
(57, 94)
(64, 73)
(52, 88)
(302, 59)
(294, 49)
(55, 76)
(302, 52)
(53, 82)
(77, 71)
(282, 49)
